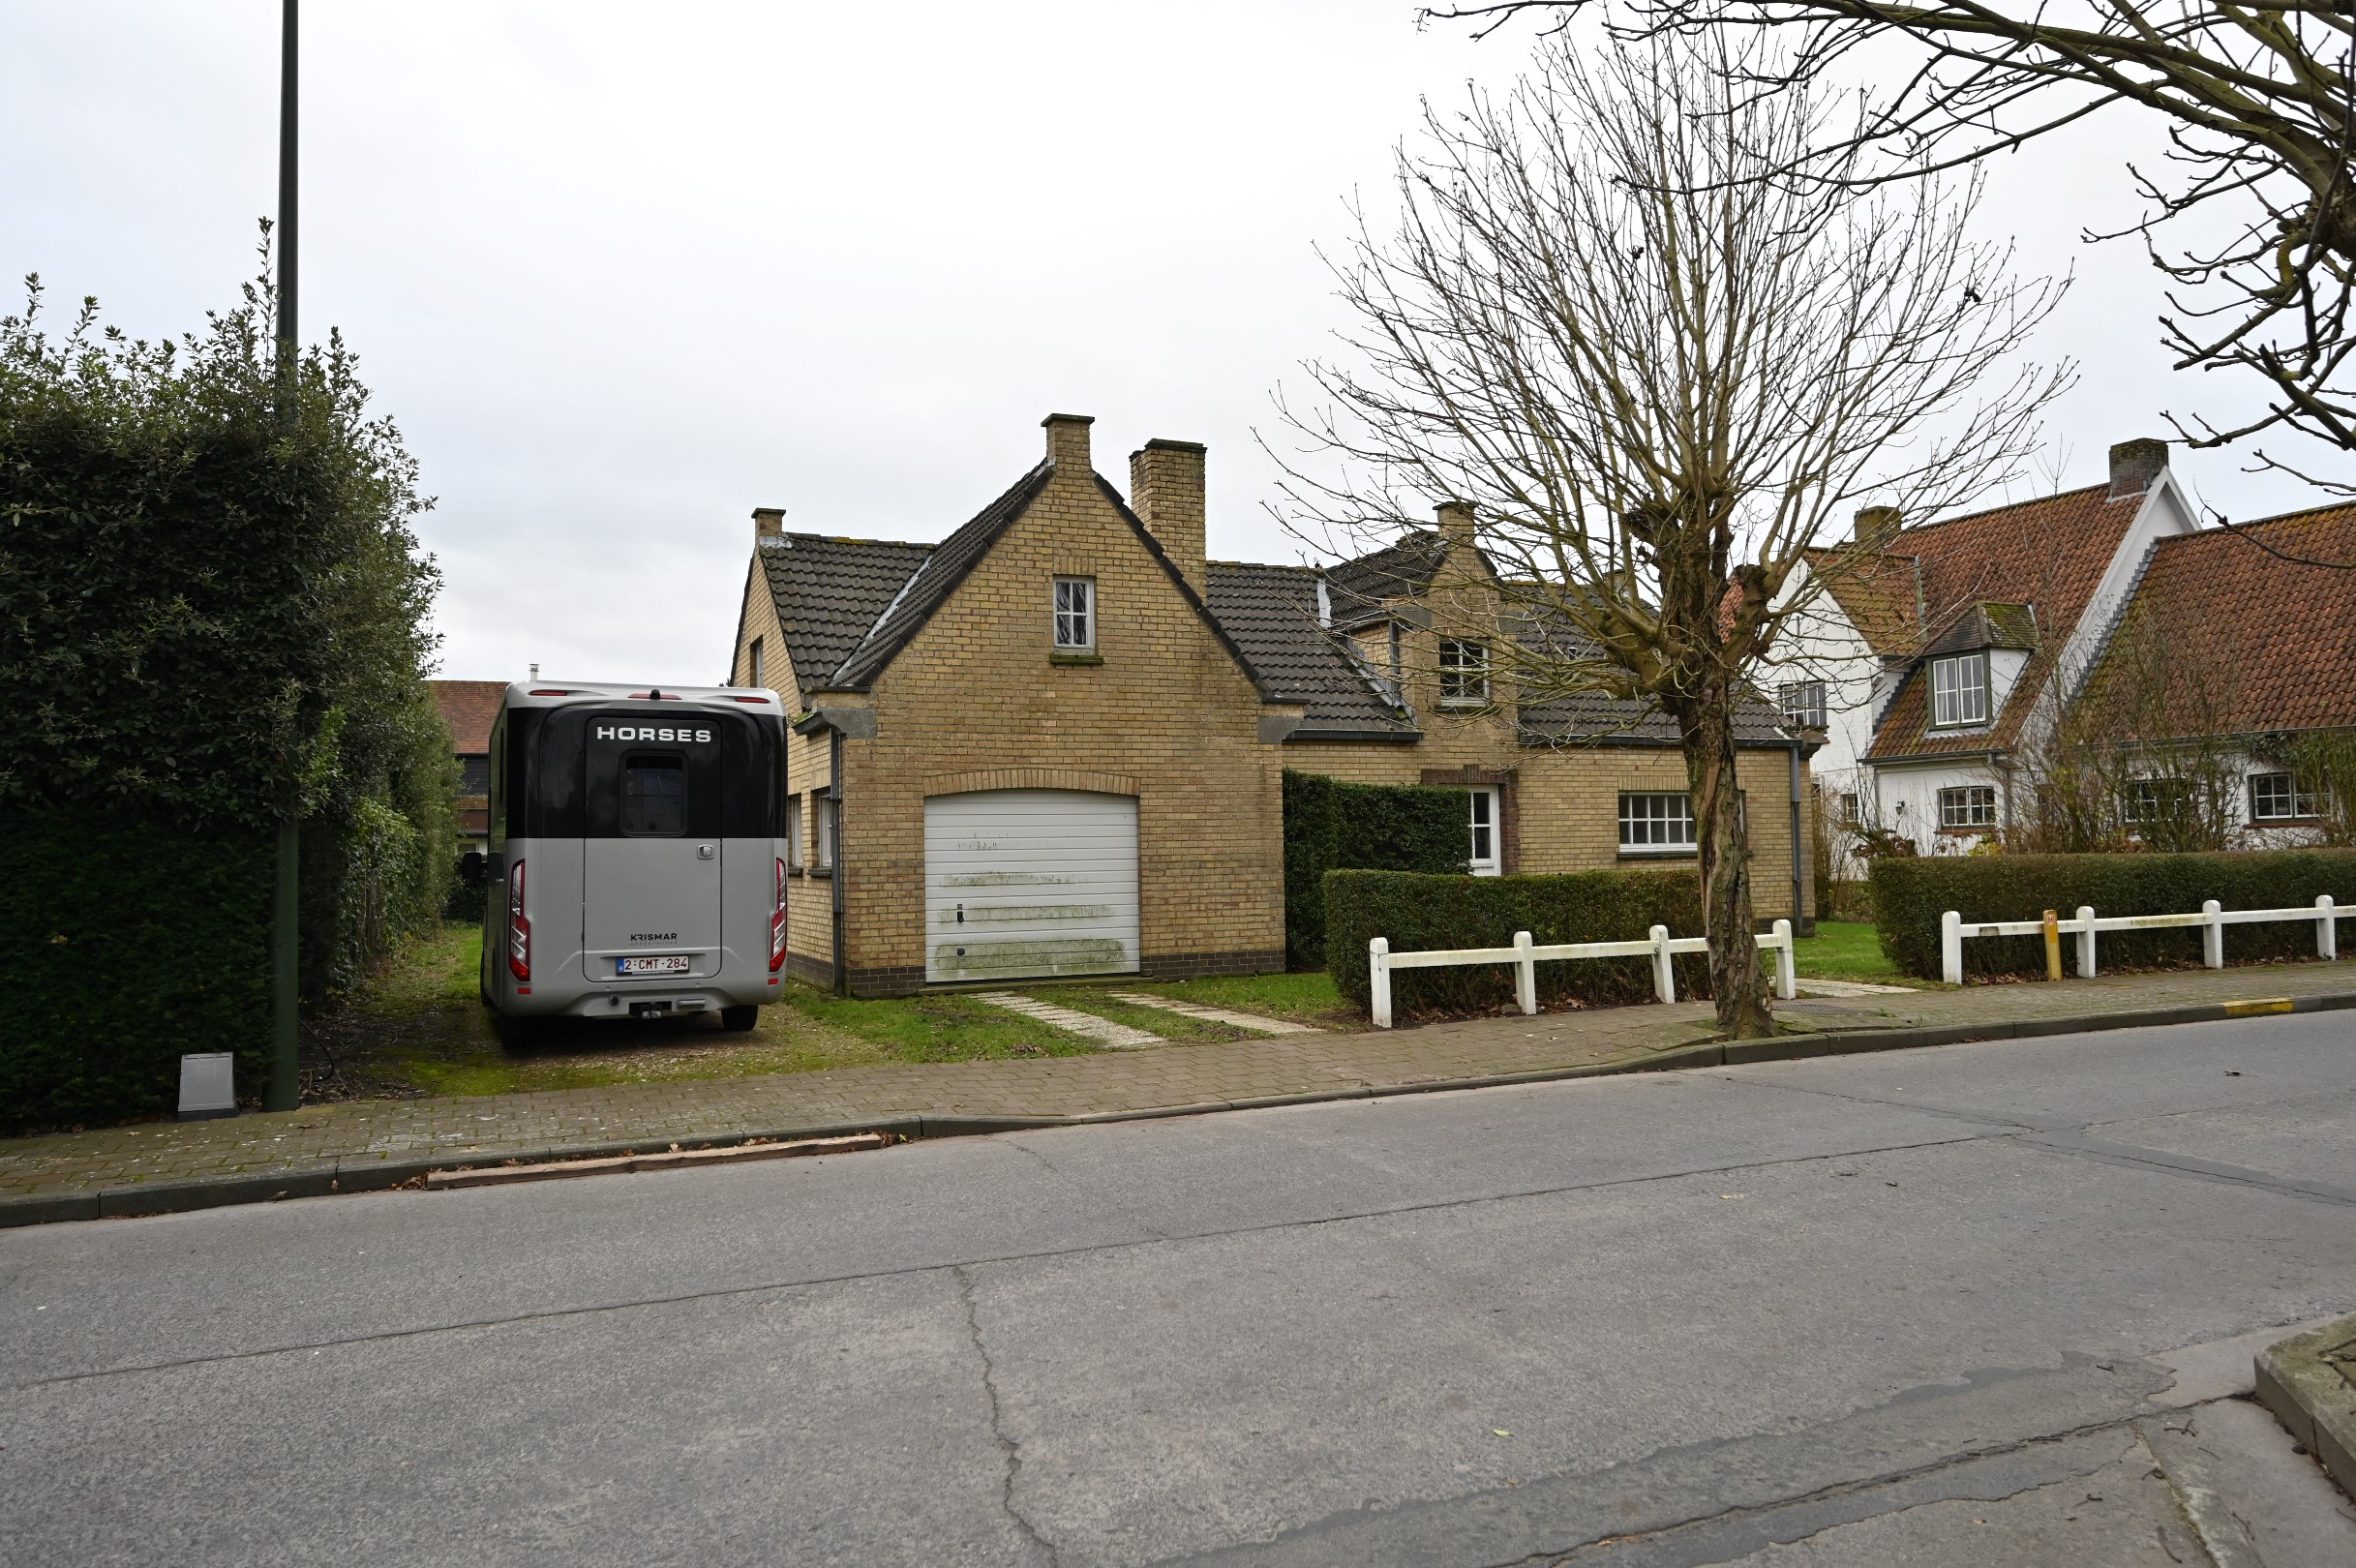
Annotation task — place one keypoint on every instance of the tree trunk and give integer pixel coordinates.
(1706, 725)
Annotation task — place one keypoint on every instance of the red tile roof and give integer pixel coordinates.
(2273, 641)
(1879, 594)
(2049, 554)
(468, 708)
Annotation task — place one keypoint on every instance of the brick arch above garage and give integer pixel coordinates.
(1029, 778)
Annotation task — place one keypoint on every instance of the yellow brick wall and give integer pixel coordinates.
(1169, 708)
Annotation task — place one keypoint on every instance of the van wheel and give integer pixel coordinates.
(740, 1019)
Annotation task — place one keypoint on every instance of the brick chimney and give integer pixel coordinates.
(768, 523)
(1067, 441)
(1875, 524)
(2135, 465)
(1166, 491)
(1456, 524)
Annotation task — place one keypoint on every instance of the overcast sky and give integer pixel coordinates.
(624, 271)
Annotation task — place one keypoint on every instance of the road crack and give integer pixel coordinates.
(1006, 1445)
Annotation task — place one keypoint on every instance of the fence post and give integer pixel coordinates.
(2086, 942)
(1951, 948)
(1378, 978)
(2053, 946)
(1664, 972)
(2212, 936)
(1525, 976)
(2327, 928)
(1787, 967)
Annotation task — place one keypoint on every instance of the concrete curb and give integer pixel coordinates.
(2305, 1381)
(370, 1173)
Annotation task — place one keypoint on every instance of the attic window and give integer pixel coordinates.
(1075, 614)
(1803, 704)
(1463, 674)
(1959, 690)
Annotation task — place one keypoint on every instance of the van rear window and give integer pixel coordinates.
(654, 796)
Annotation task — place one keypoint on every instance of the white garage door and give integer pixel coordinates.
(1021, 883)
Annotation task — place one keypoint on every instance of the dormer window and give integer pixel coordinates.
(1959, 690)
(1803, 704)
(1075, 614)
(1463, 674)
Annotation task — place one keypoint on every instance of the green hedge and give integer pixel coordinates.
(1420, 913)
(1334, 825)
(1909, 895)
(128, 941)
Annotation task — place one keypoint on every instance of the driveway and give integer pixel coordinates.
(1923, 1306)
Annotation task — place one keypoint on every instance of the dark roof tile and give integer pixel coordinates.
(830, 592)
(1271, 613)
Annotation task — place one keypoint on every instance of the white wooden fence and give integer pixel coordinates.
(1525, 957)
(2212, 921)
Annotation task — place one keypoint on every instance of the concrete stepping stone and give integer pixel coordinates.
(1119, 1036)
(1833, 987)
(1239, 1020)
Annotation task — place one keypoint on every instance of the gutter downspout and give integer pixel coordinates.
(835, 888)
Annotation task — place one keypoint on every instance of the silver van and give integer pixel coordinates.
(636, 867)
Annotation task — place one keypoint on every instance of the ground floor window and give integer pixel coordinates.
(793, 832)
(1972, 805)
(1655, 824)
(1486, 859)
(2150, 800)
(822, 817)
(2281, 798)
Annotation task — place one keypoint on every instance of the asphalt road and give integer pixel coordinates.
(1928, 1305)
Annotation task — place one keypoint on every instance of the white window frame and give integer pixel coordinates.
(1853, 809)
(1957, 703)
(2304, 804)
(756, 663)
(1075, 615)
(2145, 797)
(795, 857)
(1485, 823)
(1463, 673)
(1655, 823)
(824, 812)
(1969, 807)
(1802, 703)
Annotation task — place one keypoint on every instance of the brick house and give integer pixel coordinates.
(468, 708)
(1053, 744)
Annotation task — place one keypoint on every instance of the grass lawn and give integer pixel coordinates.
(417, 1028)
(1846, 950)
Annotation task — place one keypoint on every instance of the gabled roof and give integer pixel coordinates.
(942, 568)
(1880, 592)
(830, 592)
(1401, 570)
(1271, 613)
(468, 708)
(2047, 555)
(2269, 643)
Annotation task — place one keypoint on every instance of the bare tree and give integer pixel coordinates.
(1655, 372)
(2260, 102)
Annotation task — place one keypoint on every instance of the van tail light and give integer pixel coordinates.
(776, 925)
(519, 929)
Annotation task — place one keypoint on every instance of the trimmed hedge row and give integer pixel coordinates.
(1421, 913)
(1909, 895)
(130, 939)
(1331, 826)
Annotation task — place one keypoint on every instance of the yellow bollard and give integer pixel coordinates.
(2053, 946)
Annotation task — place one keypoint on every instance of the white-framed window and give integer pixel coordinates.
(2156, 799)
(1487, 857)
(1659, 824)
(823, 811)
(1959, 690)
(1971, 805)
(1852, 812)
(1075, 614)
(1463, 674)
(795, 856)
(758, 664)
(1803, 704)
(2281, 798)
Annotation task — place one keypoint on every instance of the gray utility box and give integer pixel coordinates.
(208, 1086)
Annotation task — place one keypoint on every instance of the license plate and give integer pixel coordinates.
(669, 963)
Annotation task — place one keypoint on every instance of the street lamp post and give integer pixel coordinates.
(286, 952)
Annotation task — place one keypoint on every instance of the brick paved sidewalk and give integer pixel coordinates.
(363, 1144)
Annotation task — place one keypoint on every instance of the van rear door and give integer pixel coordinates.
(653, 851)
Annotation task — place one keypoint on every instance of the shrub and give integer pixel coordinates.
(1333, 825)
(1910, 896)
(1420, 913)
(130, 939)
